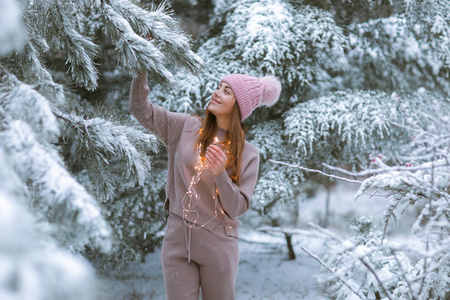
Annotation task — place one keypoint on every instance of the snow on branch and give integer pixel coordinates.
(60, 29)
(21, 102)
(30, 261)
(363, 265)
(99, 145)
(273, 187)
(162, 29)
(272, 19)
(12, 31)
(404, 51)
(34, 72)
(356, 118)
(62, 199)
(136, 54)
(268, 138)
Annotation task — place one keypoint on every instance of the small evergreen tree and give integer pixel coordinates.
(420, 180)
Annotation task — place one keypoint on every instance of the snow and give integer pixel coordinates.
(264, 270)
(11, 31)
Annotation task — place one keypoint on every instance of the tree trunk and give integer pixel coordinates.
(290, 247)
(327, 209)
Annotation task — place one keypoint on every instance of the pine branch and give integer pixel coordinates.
(411, 291)
(61, 198)
(100, 143)
(32, 68)
(22, 102)
(430, 200)
(135, 53)
(384, 168)
(163, 30)
(369, 267)
(26, 242)
(60, 30)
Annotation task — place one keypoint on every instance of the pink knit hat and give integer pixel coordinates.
(251, 92)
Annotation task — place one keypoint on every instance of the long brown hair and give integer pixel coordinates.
(235, 139)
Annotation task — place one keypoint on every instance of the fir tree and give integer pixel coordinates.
(79, 160)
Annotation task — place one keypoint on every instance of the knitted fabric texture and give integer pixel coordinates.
(251, 92)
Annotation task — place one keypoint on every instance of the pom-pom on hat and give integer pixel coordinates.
(251, 92)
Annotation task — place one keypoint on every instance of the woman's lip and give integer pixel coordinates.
(215, 101)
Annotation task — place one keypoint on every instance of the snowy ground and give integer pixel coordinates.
(264, 271)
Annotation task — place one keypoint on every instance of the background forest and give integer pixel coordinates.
(365, 101)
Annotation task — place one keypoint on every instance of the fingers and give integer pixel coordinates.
(213, 159)
(216, 151)
(216, 159)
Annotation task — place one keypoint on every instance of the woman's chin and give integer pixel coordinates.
(212, 110)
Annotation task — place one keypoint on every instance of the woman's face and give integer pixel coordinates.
(222, 101)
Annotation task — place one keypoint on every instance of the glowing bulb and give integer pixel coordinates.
(216, 140)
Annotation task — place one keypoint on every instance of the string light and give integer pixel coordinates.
(191, 199)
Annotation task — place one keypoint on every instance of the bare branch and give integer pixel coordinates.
(376, 277)
(314, 171)
(366, 173)
(345, 282)
(404, 275)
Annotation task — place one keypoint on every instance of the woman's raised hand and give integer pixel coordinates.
(216, 159)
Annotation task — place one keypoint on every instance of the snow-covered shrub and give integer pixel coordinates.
(363, 267)
(28, 129)
(420, 180)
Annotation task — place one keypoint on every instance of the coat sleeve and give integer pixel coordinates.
(165, 124)
(236, 198)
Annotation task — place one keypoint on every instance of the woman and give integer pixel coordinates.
(212, 174)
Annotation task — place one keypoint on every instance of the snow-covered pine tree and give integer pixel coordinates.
(363, 112)
(405, 51)
(76, 159)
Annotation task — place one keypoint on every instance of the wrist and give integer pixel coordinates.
(219, 173)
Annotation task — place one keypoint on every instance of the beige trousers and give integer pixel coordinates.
(214, 263)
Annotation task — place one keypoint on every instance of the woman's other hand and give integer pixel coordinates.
(216, 159)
